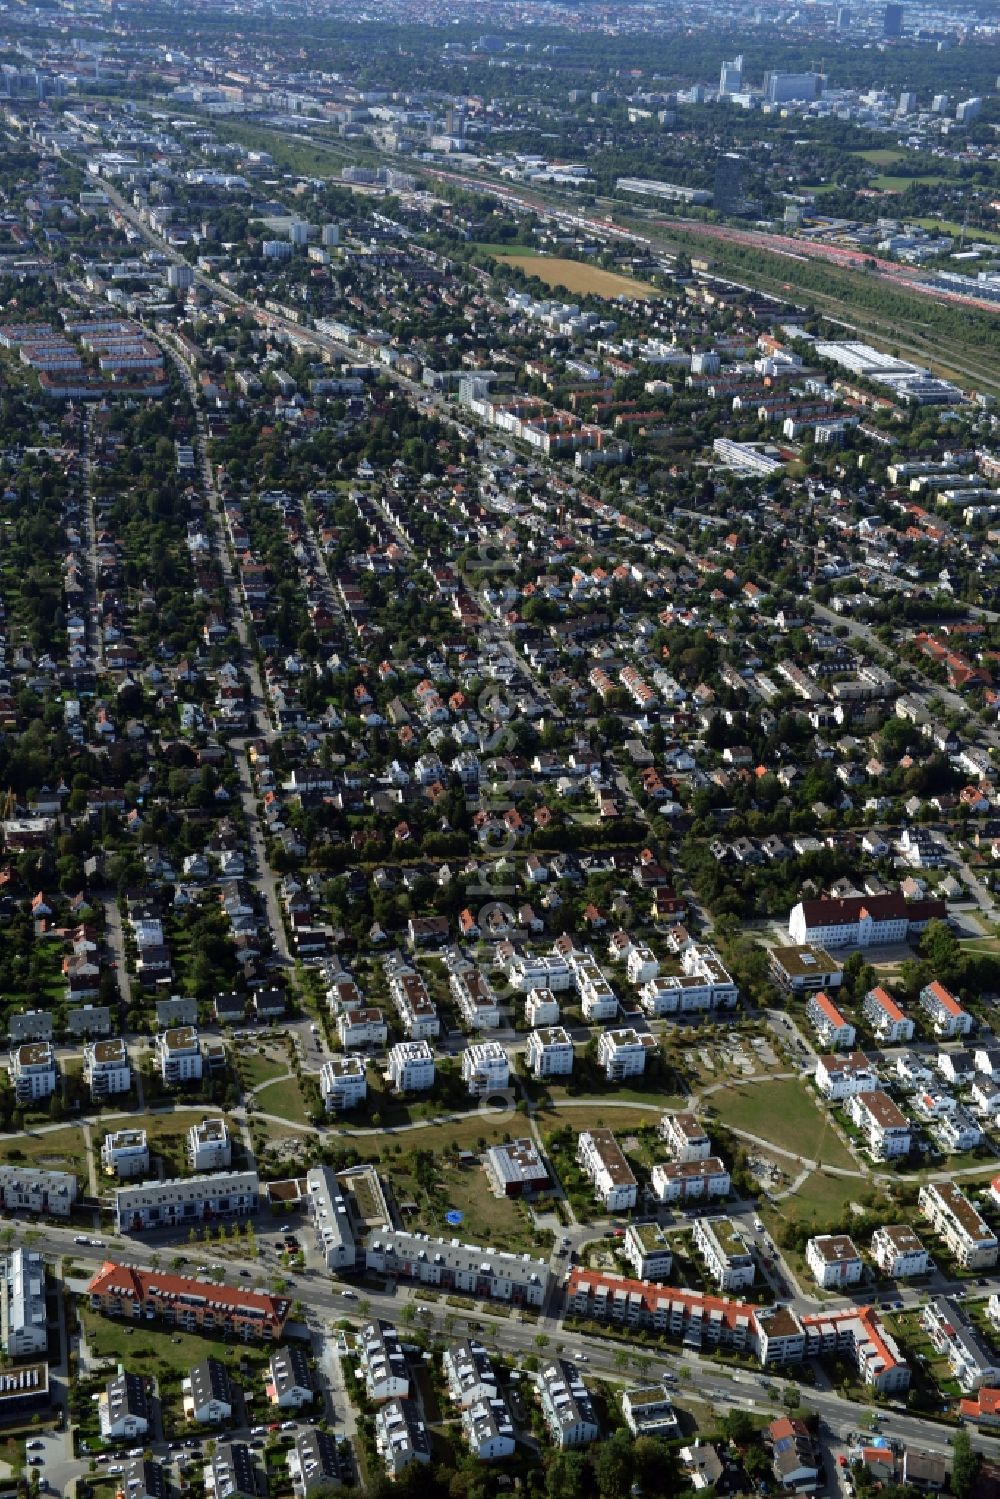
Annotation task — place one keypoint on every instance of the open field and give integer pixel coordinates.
(950, 226)
(881, 156)
(488, 1219)
(576, 276)
(886, 182)
(783, 1113)
(283, 1098)
(56, 1149)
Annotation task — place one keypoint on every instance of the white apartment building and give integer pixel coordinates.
(599, 1154)
(622, 1053)
(30, 1189)
(485, 1068)
(476, 999)
(414, 1005)
(944, 1011)
(598, 1000)
(33, 1072)
(828, 1023)
(887, 1020)
(343, 1083)
(411, 1066)
(359, 1028)
(125, 1153)
(838, 1078)
(551, 971)
(549, 1053)
(468, 1269)
(702, 984)
(725, 1252)
(648, 1251)
(541, 1008)
(566, 1405)
(106, 1068)
(681, 1181)
(209, 1146)
(834, 1261)
(179, 1055)
(685, 1137)
(898, 1252)
(187, 1200)
(968, 1237)
(23, 1320)
(381, 1362)
(641, 965)
(883, 1124)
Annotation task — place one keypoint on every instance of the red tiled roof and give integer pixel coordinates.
(129, 1281)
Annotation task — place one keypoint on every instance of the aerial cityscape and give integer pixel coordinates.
(499, 749)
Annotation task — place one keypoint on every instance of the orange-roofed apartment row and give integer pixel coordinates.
(194, 1305)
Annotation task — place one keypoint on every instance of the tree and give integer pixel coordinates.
(965, 1465)
(566, 1476)
(614, 1467)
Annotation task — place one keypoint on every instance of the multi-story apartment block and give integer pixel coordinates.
(944, 1012)
(804, 970)
(125, 1153)
(641, 963)
(600, 1155)
(833, 1260)
(343, 1083)
(971, 1360)
(883, 1124)
(413, 1002)
(467, 1269)
(124, 1409)
(684, 1137)
(828, 1023)
(476, 999)
(106, 1068)
(209, 1145)
(649, 1411)
(727, 1257)
(898, 1252)
(648, 1251)
(411, 1066)
(549, 1053)
(551, 972)
(598, 1000)
(623, 1053)
(838, 1078)
(469, 1373)
(179, 1055)
(23, 1319)
(358, 1028)
(171, 1204)
(702, 984)
(33, 1071)
(485, 1068)
(488, 1430)
(401, 1438)
(775, 1333)
(319, 1461)
(29, 1189)
(969, 1238)
(682, 1181)
(207, 1393)
(567, 1406)
(137, 1295)
(382, 1363)
(887, 1020)
(541, 1008)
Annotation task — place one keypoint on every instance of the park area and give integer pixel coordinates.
(579, 278)
(782, 1113)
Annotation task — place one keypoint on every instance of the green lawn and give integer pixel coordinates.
(488, 1219)
(887, 183)
(949, 226)
(783, 1113)
(881, 156)
(284, 1099)
(257, 1069)
(163, 1351)
(57, 1149)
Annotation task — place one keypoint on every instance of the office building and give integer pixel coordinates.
(731, 77)
(892, 22)
(727, 188)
